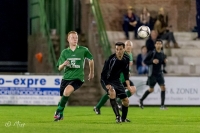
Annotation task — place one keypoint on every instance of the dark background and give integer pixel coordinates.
(13, 30)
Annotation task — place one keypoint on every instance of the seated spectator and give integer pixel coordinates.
(145, 17)
(162, 12)
(130, 22)
(164, 32)
(141, 67)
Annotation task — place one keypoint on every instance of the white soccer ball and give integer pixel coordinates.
(143, 31)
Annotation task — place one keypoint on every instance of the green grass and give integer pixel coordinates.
(39, 119)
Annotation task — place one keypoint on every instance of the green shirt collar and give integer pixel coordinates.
(77, 46)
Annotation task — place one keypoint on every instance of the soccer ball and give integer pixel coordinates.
(143, 31)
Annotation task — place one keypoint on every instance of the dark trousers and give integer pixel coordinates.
(169, 36)
(127, 27)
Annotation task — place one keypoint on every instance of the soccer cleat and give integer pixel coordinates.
(58, 116)
(97, 111)
(141, 104)
(163, 108)
(126, 120)
(118, 119)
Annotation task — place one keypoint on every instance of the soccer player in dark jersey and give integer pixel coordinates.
(72, 60)
(154, 60)
(104, 98)
(114, 65)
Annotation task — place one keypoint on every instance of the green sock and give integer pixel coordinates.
(128, 93)
(63, 101)
(119, 101)
(102, 101)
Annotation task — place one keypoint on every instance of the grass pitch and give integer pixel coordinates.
(39, 119)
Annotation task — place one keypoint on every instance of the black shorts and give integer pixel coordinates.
(152, 80)
(64, 83)
(131, 83)
(118, 86)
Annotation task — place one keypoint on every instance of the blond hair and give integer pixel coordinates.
(71, 32)
(129, 41)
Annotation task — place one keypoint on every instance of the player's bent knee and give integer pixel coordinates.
(133, 89)
(162, 88)
(151, 90)
(125, 102)
(112, 93)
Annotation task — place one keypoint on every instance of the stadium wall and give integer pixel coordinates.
(181, 12)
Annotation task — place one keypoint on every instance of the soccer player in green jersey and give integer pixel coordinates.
(104, 98)
(72, 60)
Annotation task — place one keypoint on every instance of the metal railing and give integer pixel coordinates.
(103, 38)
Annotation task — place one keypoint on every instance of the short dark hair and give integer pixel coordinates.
(120, 44)
(159, 40)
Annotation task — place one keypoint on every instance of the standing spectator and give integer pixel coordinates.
(145, 17)
(130, 22)
(141, 67)
(198, 19)
(164, 33)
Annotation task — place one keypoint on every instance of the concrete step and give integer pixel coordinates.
(173, 60)
(179, 36)
(185, 36)
(191, 60)
(183, 69)
(189, 52)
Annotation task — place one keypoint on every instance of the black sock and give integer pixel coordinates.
(114, 106)
(124, 112)
(145, 95)
(162, 98)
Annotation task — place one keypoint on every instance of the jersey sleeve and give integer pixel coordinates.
(126, 70)
(88, 55)
(131, 57)
(61, 59)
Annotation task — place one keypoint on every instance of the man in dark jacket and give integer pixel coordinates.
(110, 80)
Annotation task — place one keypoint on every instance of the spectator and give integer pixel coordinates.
(141, 67)
(150, 45)
(162, 12)
(164, 32)
(130, 22)
(145, 17)
(198, 19)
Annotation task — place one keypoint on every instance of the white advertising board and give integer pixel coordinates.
(29, 90)
(179, 91)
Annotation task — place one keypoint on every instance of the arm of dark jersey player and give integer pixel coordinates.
(148, 60)
(105, 71)
(126, 76)
(126, 70)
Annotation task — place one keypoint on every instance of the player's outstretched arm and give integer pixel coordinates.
(91, 74)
